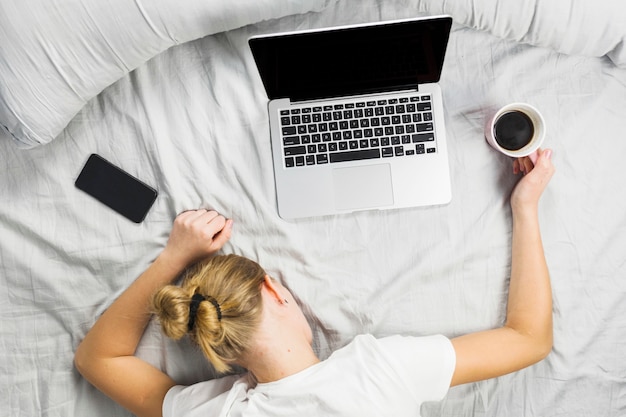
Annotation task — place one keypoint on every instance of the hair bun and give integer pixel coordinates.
(171, 306)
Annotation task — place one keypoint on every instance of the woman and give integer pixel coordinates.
(240, 315)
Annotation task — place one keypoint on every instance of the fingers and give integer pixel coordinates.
(527, 163)
(208, 225)
(223, 235)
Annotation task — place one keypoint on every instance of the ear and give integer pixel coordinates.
(271, 287)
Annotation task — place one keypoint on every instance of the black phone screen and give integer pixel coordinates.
(116, 188)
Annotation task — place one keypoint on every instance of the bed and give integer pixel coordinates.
(170, 93)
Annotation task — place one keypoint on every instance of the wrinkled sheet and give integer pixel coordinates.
(193, 123)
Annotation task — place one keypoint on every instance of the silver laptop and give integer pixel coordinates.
(356, 116)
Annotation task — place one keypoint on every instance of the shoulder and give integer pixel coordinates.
(411, 344)
(200, 398)
(424, 365)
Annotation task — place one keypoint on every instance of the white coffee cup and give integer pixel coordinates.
(516, 112)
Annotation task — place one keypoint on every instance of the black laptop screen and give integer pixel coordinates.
(352, 60)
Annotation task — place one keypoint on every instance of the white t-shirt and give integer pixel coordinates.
(392, 376)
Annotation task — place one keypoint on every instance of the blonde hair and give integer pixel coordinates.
(234, 283)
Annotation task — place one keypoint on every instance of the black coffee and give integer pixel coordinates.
(513, 130)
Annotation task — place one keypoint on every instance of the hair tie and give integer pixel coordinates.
(196, 299)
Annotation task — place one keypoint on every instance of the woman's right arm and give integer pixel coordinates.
(526, 337)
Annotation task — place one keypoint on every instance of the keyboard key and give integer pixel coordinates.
(291, 140)
(295, 150)
(430, 150)
(399, 150)
(289, 130)
(355, 155)
(424, 107)
(422, 137)
(321, 158)
(289, 162)
(310, 159)
(387, 152)
(299, 161)
(424, 127)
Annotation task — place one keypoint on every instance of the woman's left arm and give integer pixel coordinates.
(105, 357)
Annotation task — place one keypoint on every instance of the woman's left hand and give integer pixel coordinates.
(196, 234)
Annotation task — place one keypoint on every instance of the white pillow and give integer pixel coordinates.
(576, 27)
(57, 55)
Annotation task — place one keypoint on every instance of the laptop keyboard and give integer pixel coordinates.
(358, 130)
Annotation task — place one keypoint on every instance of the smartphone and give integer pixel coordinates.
(116, 188)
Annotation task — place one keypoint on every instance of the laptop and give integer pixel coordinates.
(356, 116)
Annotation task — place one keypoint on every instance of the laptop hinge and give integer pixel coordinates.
(357, 96)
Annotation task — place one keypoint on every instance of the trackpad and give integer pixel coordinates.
(363, 187)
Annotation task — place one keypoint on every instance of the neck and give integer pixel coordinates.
(271, 362)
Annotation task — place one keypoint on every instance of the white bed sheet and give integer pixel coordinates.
(193, 123)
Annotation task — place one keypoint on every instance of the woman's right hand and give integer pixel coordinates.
(196, 234)
(537, 170)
